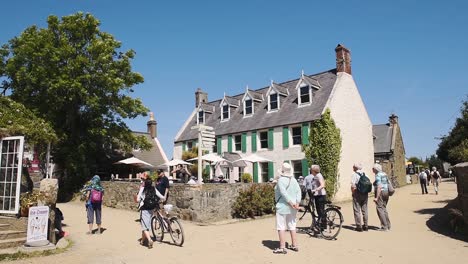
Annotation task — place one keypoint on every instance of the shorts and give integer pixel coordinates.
(286, 221)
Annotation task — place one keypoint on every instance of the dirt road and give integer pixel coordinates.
(409, 241)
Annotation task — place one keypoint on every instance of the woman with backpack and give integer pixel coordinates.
(148, 199)
(94, 193)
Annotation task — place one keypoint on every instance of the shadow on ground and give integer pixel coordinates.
(270, 244)
(440, 221)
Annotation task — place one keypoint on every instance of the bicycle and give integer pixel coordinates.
(331, 227)
(161, 224)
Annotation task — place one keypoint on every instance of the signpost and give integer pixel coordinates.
(38, 221)
(206, 141)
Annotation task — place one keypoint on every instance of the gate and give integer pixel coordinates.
(11, 162)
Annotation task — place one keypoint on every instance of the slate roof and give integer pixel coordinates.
(232, 101)
(154, 156)
(280, 88)
(383, 138)
(207, 107)
(256, 95)
(312, 81)
(288, 114)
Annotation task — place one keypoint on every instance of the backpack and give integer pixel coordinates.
(391, 189)
(96, 196)
(151, 200)
(436, 175)
(364, 185)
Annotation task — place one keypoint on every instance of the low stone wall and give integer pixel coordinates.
(205, 203)
(461, 174)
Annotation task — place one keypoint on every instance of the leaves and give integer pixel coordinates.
(324, 149)
(257, 200)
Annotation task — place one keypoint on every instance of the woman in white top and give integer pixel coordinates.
(318, 190)
(147, 208)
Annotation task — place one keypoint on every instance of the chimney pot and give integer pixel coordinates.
(343, 59)
(200, 97)
(152, 126)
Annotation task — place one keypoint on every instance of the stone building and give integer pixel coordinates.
(389, 149)
(274, 122)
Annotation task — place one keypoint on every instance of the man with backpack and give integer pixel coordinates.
(361, 186)
(435, 175)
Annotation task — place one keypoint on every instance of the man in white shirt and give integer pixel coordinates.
(359, 200)
(423, 182)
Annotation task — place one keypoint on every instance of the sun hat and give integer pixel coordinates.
(286, 170)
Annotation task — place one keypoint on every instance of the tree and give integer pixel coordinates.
(74, 76)
(417, 161)
(454, 147)
(324, 149)
(434, 161)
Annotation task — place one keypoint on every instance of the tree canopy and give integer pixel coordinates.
(324, 149)
(454, 147)
(74, 76)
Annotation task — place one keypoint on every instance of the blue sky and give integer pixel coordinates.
(408, 57)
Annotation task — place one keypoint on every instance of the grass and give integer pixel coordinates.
(22, 255)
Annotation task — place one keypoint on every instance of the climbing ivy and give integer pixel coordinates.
(324, 150)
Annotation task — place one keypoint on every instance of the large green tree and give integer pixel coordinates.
(74, 76)
(454, 147)
(324, 149)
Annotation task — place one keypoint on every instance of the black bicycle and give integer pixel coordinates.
(328, 228)
(161, 224)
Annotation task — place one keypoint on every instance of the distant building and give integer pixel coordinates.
(389, 149)
(274, 122)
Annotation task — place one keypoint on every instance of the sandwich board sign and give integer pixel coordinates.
(38, 222)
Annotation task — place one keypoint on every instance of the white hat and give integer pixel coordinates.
(286, 170)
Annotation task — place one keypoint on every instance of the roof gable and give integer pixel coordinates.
(383, 135)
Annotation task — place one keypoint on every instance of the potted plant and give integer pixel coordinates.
(246, 178)
(28, 200)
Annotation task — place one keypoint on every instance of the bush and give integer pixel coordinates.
(257, 200)
(246, 177)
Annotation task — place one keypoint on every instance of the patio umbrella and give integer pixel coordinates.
(254, 158)
(134, 161)
(175, 162)
(211, 157)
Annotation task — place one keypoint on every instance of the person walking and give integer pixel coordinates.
(95, 193)
(287, 198)
(148, 202)
(381, 197)
(360, 189)
(435, 175)
(423, 181)
(428, 173)
(162, 185)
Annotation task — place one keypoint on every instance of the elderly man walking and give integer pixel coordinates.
(360, 188)
(423, 181)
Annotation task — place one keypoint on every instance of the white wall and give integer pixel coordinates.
(350, 115)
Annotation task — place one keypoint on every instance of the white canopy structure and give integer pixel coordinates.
(254, 158)
(134, 161)
(175, 162)
(211, 158)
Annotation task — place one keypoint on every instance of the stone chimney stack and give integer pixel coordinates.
(200, 97)
(343, 59)
(152, 124)
(393, 119)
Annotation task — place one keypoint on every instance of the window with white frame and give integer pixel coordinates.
(238, 142)
(273, 101)
(263, 139)
(297, 168)
(304, 94)
(225, 112)
(241, 171)
(189, 145)
(264, 171)
(201, 117)
(296, 134)
(248, 107)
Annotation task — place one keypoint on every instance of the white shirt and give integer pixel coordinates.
(423, 175)
(355, 177)
(308, 181)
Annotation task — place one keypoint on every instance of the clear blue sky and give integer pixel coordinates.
(409, 57)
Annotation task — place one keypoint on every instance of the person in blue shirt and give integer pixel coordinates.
(381, 197)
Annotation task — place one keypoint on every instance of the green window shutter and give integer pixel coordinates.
(218, 145)
(305, 167)
(270, 139)
(207, 169)
(305, 134)
(244, 142)
(285, 137)
(184, 146)
(255, 172)
(271, 170)
(254, 141)
(230, 143)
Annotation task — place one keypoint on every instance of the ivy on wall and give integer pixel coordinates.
(324, 149)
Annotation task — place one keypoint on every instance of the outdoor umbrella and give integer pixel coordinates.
(211, 157)
(135, 162)
(175, 162)
(254, 158)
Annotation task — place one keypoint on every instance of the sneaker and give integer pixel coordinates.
(358, 228)
(365, 228)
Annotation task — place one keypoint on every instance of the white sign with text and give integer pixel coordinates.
(38, 222)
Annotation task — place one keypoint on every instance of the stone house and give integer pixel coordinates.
(274, 122)
(389, 149)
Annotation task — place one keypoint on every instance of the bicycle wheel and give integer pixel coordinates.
(332, 227)
(176, 231)
(157, 228)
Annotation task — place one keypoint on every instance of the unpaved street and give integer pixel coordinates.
(409, 241)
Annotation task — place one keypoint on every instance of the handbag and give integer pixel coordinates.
(391, 190)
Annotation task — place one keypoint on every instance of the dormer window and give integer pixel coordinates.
(225, 112)
(304, 94)
(201, 117)
(248, 107)
(273, 102)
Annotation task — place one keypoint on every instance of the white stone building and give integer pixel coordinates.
(273, 122)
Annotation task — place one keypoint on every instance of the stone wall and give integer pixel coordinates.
(205, 203)
(461, 174)
(399, 160)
